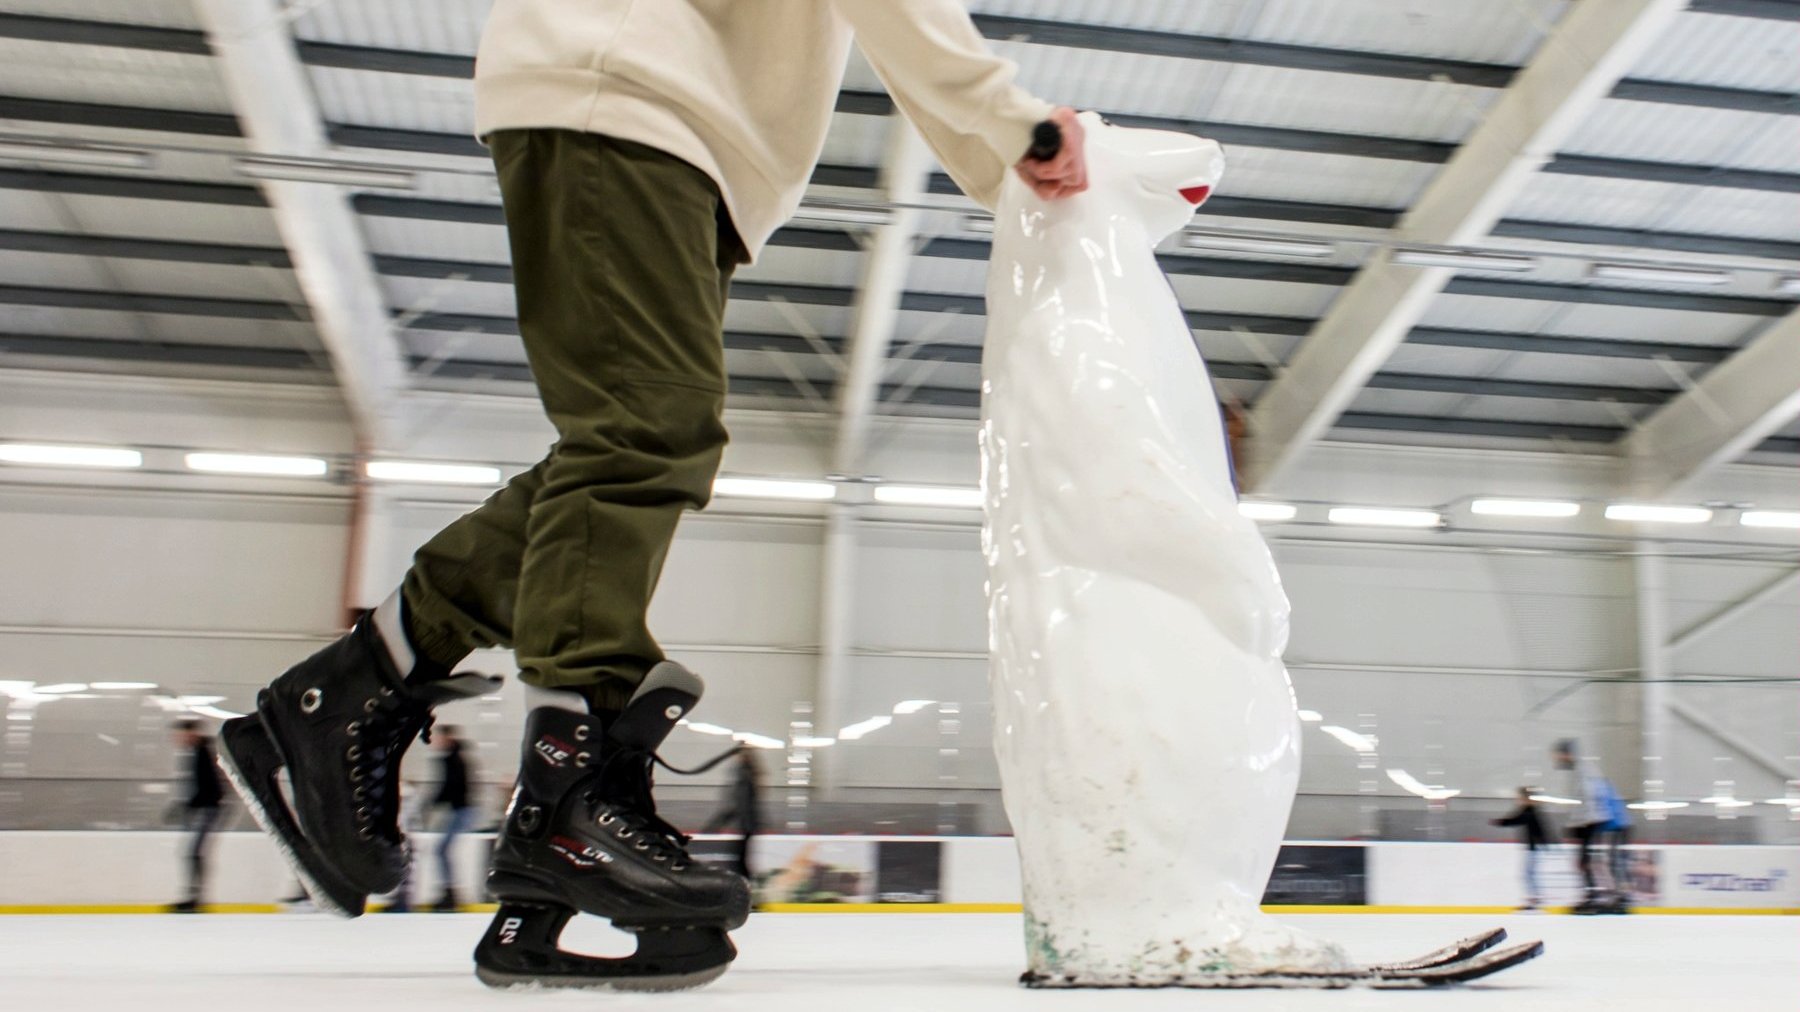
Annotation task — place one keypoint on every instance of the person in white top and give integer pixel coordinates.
(645, 149)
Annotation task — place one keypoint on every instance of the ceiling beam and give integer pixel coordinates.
(1583, 57)
(1729, 412)
(274, 100)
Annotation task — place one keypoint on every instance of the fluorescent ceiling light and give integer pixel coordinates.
(1311, 716)
(909, 706)
(807, 741)
(244, 463)
(25, 149)
(70, 456)
(1718, 800)
(1227, 243)
(1789, 286)
(1657, 275)
(978, 223)
(208, 710)
(1359, 742)
(1770, 518)
(1524, 508)
(1551, 799)
(1266, 510)
(123, 686)
(1463, 261)
(1430, 792)
(1656, 806)
(774, 488)
(928, 495)
(1658, 514)
(438, 474)
(1373, 517)
(701, 727)
(862, 727)
(320, 170)
(1787, 802)
(62, 688)
(844, 215)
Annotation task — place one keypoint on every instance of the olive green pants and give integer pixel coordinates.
(622, 256)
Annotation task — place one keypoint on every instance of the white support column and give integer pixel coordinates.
(1734, 407)
(274, 101)
(1593, 46)
(837, 618)
(1653, 667)
(906, 170)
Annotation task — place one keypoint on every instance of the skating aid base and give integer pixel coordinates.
(520, 950)
(1469, 959)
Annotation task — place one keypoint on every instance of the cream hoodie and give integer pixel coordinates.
(744, 89)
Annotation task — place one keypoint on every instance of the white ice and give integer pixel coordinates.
(872, 962)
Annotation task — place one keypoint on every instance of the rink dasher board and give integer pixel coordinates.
(131, 872)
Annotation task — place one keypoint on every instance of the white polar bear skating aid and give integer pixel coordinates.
(1145, 725)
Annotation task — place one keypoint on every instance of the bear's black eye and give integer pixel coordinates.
(1105, 122)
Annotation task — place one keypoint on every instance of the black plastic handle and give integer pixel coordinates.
(1046, 142)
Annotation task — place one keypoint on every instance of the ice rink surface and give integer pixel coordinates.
(926, 962)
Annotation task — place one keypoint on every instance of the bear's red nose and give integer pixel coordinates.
(1197, 195)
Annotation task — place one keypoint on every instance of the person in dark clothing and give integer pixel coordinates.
(740, 810)
(452, 794)
(1531, 830)
(200, 810)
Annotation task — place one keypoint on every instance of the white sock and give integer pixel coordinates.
(392, 629)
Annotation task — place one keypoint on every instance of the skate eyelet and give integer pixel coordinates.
(626, 834)
(581, 732)
(360, 793)
(385, 692)
(678, 866)
(582, 759)
(607, 818)
(659, 857)
(353, 753)
(370, 704)
(365, 833)
(353, 728)
(356, 774)
(310, 700)
(640, 845)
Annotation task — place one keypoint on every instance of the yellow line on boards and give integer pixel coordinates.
(135, 908)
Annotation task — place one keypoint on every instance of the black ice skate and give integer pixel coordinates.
(582, 834)
(339, 723)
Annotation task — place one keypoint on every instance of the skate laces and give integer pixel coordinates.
(627, 780)
(379, 740)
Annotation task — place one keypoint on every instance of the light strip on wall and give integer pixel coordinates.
(928, 495)
(1643, 513)
(1656, 806)
(1463, 261)
(245, 463)
(1551, 799)
(1787, 519)
(1267, 510)
(1369, 516)
(434, 474)
(24, 149)
(123, 686)
(1524, 508)
(862, 727)
(1358, 742)
(312, 170)
(1657, 275)
(1430, 792)
(1253, 244)
(774, 488)
(1310, 716)
(69, 456)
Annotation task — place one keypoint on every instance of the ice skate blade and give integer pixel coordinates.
(520, 951)
(1387, 977)
(250, 761)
